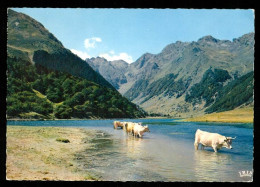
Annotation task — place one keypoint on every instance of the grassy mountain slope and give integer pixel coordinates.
(29, 39)
(208, 87)
(238, 115)
(236, 93)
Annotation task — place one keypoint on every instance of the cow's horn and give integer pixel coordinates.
(230, 138)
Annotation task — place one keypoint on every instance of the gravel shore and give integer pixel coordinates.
(39, 153)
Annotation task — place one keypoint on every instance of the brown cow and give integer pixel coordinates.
(119, 124)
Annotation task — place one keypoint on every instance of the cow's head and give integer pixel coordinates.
(146, 128)
(227, 142)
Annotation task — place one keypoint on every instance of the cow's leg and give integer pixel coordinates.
(215, 149)
(196, 145)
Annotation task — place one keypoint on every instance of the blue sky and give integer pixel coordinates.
(128, 33)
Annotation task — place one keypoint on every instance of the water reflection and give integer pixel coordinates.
(207, 165)
(134, 146)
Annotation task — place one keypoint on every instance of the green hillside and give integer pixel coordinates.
(236, 93)
(211, 83)
(47, 81)
(49, 94)
(219, 98)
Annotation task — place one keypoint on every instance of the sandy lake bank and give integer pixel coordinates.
(40, 153)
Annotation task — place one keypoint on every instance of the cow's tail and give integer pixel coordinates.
(124, 126)
(115, 124)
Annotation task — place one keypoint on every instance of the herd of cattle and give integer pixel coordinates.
(205, 139)
(135, 129)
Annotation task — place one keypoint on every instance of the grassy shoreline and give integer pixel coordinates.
(35, 153)
(239, 115)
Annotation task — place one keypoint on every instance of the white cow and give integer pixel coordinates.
(140, 130)
(129, 127)
(214, 140)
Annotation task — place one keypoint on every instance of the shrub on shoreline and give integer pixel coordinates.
(64, 140)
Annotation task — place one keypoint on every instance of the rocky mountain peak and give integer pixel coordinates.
(207, 39)
(177, 46)
(140, 62)
(119, 63)
(246, 39)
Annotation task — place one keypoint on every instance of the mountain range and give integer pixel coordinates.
(186, 78)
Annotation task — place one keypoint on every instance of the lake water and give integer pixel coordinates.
(165, 154)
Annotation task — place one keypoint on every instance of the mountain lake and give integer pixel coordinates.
(166, 153)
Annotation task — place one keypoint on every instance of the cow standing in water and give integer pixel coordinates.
(129, 127)
(117, 124)
(214, 140)
(139, 130)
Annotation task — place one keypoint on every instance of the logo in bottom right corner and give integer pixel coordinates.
(246, 175)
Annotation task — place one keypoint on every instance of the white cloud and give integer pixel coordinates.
(112, 52)
(91, 42)
(122, 56)
(82, 55)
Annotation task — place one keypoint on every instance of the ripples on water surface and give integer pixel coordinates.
(165, 154)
